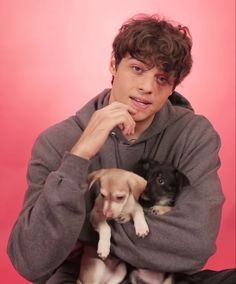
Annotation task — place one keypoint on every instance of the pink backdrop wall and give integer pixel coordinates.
(54, 57)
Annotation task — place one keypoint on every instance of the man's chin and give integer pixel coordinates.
(138, 117)
(143, 119)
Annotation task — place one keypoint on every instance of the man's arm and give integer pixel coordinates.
(53, 213)
(99, 127)
(54, 208)
(181, 240)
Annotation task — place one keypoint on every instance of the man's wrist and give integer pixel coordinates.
(80, 153)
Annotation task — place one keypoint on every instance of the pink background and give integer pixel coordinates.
(54, 57)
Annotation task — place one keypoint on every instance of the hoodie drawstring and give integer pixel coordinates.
(117, 152)
(152, 154)
(154, 149)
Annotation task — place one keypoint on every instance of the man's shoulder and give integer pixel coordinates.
(65, 126)
(60, 136)
(189, 117)
(186, 124)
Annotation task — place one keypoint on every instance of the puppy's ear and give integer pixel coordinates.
(94, 176)
(182, 179)
(137, 184)
(147, 168)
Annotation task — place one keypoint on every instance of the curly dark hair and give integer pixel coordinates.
(155, 42)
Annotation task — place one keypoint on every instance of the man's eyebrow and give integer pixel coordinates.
(143, 64)
(148, 66)
(135, 59)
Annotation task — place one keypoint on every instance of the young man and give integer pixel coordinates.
(141, 116)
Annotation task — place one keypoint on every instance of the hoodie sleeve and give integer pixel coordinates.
(53, 213)
(181, 240)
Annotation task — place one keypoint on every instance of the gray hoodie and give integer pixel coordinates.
(53, 223)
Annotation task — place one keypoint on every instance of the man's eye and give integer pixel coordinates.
(162, 80)
(136, 69)
(102, 195)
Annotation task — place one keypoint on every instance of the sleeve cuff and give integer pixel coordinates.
(75, 167)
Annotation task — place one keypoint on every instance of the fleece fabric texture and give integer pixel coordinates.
(53, 224)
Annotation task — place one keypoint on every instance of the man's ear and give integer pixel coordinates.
(137, 185)
(112, 66)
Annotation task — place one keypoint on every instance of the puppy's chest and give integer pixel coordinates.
(163, 201)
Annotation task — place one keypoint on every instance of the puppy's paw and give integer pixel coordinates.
(123, 218)
(142, 230)
(103, 251)
(159, 210)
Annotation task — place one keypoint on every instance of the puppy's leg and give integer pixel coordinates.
(123, 218)
(119, 274)
(140, 224)
(159, 209)
(100, 225)
(92, 268)
(95, 274)
(139, 276)
(169, 280)
(104, 242)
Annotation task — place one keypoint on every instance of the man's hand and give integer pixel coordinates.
(99, 127)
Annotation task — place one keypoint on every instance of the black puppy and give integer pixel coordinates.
(163, 185)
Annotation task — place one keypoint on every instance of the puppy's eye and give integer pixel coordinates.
(161, 181)
(120, 198)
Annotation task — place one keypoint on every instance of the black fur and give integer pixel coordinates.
(163, 182)
(163, 185)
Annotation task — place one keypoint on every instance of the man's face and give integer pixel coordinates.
(143, 88)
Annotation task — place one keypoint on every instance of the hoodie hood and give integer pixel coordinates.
(148, 143)
(175, 108)
(84, 114)
(177, 99)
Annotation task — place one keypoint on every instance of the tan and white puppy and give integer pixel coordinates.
(118, 199)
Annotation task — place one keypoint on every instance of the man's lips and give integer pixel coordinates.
(140, 103)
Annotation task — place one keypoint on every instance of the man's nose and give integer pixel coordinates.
(146, 84)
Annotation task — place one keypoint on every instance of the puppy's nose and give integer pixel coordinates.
(108, 214)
